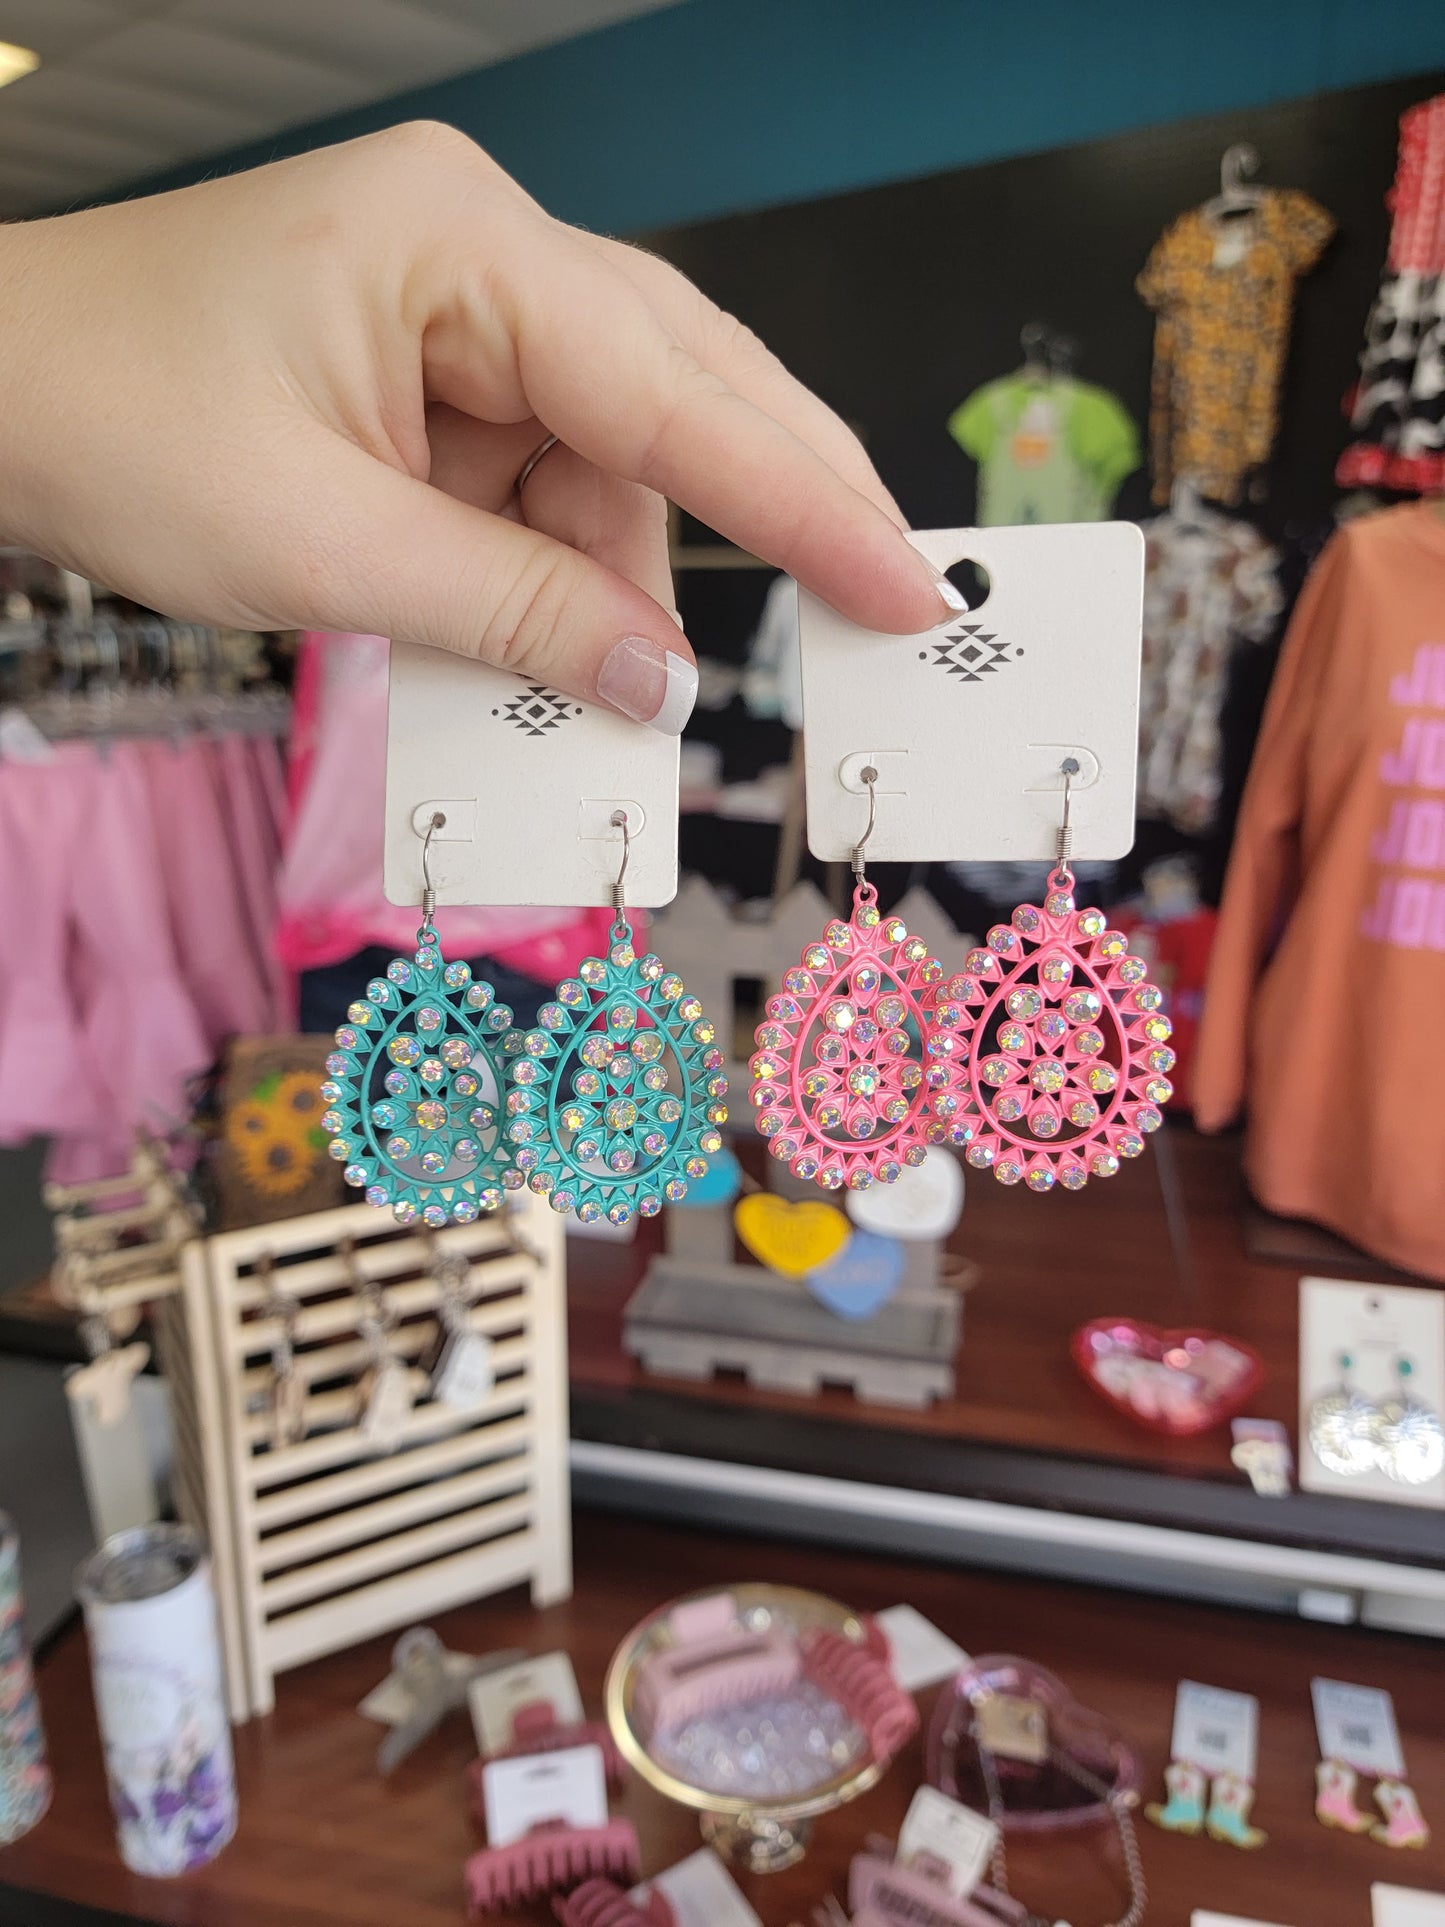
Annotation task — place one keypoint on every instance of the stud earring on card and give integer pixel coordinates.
(851, 1079)
(1342, 1427)
(617, 1096)
(1065, 1041)
(416, 1083)
(1408, 1438)
(288, 1388)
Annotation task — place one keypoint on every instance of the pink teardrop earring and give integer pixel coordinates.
(851, 1079)
(1064, 1041)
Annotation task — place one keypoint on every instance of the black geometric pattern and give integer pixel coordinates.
(537, 710)
(971, 653)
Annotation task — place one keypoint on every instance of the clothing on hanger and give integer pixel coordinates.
(1210, 584)
(1328, 970)
(1399, 409)
(1222, 292)
(772, 683)
(1048, 449)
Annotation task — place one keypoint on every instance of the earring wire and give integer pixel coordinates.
(428, 893)
(869, 775)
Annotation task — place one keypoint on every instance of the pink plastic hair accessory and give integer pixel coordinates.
(549, 1858)
(848, 1087)
(599, 1903)
(861, 1679)
(712, 1662)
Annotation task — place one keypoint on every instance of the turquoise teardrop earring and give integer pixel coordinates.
(618, 1093)
(417, 1082)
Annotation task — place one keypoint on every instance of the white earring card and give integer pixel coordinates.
(1383, 1344)
(968, 725)
(528, 780)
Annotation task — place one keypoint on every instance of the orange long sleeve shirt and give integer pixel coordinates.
(1326, 989)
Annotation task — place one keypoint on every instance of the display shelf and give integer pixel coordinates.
(323, 1840)
(1021, 1428)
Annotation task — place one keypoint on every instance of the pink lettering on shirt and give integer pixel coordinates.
(1408, 905)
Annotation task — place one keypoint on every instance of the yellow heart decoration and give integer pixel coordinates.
(791, 1238)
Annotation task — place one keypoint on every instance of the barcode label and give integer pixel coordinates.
(1356, 1725)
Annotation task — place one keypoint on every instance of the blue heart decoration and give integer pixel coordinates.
(719, 1184)
(862, 1278)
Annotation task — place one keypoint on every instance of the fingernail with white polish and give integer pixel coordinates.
(954, 601)
(648, 683)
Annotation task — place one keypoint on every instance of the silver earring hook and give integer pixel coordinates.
(1069, 769)
(869, 775)
(619, 822)
(428, 892)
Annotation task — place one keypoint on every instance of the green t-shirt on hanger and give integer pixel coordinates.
(1047, 450)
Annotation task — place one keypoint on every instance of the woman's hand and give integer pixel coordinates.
(300, 397)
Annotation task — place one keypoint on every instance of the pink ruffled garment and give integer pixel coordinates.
(255, 838)
(331, 903)
(142, 1039)
(46, 1085)
(213, 942)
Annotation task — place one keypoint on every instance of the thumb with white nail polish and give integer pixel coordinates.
(441, 572)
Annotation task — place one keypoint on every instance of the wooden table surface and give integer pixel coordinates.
(324, 1843)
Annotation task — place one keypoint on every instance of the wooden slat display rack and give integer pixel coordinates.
(327, 1541)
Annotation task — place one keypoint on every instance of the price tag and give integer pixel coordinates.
(569, 1786)
(496, 1698)
(918, 1652)
(701, 1893)
(945, 1840)
(1356, 1725)
(1216, 1730)
(1012, 1728)
(463, 1378)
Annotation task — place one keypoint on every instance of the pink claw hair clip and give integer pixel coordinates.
(860, 1679)
(598, 1903)
(712, 1662)
(536, 1729)
(881, 1890)
(851, 1080)
(1063, 1041)
(551, 1857)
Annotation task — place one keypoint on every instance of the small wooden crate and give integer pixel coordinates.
(326, 1542)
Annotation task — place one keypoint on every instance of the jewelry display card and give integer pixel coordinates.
(1372, 1391)
(968, 725)
(1197, 1919)
(1215, 1729)
(496, 756)
(1356, 1725)
(918, 1652)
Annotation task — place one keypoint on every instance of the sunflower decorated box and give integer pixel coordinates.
(270, 1157)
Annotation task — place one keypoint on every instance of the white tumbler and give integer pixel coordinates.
(160, 1695)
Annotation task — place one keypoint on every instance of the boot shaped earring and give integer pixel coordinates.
(1185, 1810)
(1404, 1822)
(1230, 1800)
(1335, 1786)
